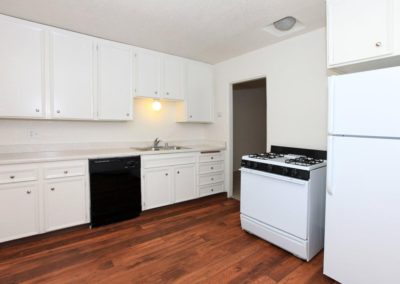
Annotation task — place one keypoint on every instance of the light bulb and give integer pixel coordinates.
(156, 105)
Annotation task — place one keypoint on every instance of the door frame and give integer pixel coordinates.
(229, 165)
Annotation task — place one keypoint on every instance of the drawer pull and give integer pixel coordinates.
(212, 168)
(52, 189)
(166, 174)
(12, 177)
(212, 178)
(28, 192)
(212, 189)
(178, 172)
(212, 158)
(65, 172)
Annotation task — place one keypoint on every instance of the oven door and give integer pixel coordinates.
(278, 201)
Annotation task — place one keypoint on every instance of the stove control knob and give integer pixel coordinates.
(269, 167)
(255, 165)
(285, 171)
(294, 173)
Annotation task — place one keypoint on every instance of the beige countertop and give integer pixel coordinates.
(51, 156)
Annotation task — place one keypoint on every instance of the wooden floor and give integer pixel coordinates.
(195, 242)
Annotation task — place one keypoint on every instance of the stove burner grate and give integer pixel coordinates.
(304, 161)
(266, 156)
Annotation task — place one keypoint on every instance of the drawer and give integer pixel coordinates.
(210, 157)
(211, 189)
(211, 167)
(164, 160)
(211, 178)
(18, 173)
(65, 169)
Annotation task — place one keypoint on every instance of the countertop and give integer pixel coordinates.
(51, 156)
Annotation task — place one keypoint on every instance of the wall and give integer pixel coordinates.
(297, 92)
(249, 123)
(146, 126)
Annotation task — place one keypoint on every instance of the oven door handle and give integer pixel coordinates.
(275, 176)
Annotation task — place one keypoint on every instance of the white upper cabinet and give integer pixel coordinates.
(361, 31)
(114, 95)
(158, 76)
(198, 92)
(172, 77)
(72, 75)
(147, 73)
(22, 86)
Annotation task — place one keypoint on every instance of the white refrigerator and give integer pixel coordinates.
(362, 230)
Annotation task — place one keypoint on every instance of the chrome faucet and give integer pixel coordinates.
(156, 142)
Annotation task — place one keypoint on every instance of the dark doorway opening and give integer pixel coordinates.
(249, 104)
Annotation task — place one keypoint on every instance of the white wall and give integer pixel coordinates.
(147, 125)
(296, 92)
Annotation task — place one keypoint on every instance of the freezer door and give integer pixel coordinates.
(362, 230)
(365, 104)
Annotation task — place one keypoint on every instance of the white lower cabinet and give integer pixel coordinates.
(168, 178)
(185, 182)
(64, 203)
(19, 211)
(55, 197)
(173, 178)
(157, 188)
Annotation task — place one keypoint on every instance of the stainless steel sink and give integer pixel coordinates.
(161, 148)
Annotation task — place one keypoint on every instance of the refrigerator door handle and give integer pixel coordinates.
(331, 94)
(329, 185)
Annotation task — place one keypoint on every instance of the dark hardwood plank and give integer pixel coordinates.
(199, 241)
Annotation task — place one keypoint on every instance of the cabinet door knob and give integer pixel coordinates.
(190, 116)
(167, 93)
(52, 189)
(178, 172)
(212, 158)
(212, 168)
(166, 174)
(378, 44)
(212, 189)
(28, 192)
(212, 178)
(127, 114)
(155, 92)
(12, 177)
(65, 172)
(58, 111)
(37, 110)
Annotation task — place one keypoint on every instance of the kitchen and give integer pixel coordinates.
(56, 127)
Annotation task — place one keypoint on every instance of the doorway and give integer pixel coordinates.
(249, 124)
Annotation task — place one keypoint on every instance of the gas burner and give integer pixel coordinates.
(303, 161)
(266, 156)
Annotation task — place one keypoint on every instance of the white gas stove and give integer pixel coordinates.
(283, 198)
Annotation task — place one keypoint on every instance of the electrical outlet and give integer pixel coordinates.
(33, 134)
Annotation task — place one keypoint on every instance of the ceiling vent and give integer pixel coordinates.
(284, 27)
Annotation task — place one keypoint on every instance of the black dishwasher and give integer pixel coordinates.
(115, 190)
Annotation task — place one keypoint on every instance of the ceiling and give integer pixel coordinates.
(205, 30)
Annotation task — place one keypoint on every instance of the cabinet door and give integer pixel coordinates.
(148, 71)
(185, 183)
(22, 69)
(115, 82)
(198, 92)
(157, 188)
(18, 211)
(72, 75)
(172, 78)
(359, 29)
(64, 203)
